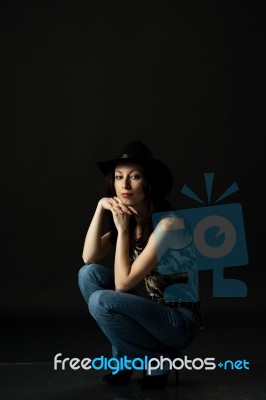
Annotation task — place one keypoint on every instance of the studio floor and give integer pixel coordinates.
(28, 348)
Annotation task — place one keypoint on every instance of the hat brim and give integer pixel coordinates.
(160, 174)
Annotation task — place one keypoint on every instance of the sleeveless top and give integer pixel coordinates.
(174, 278)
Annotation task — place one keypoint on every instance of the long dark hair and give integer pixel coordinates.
(153, 203)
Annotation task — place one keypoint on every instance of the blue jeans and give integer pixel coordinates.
(135, 326)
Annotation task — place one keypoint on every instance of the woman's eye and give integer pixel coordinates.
(136, 176)
(118, 177)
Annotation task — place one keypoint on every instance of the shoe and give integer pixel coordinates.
(156, 381)
(121, 378)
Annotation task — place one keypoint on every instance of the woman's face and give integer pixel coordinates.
(128, 183)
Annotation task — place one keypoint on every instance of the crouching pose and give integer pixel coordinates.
(152, 326)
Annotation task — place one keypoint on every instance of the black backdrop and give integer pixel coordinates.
(80, 79)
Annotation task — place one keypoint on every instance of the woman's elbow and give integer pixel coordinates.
(87, 260)
(119, 287)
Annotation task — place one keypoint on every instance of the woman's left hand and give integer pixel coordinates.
(121, 213)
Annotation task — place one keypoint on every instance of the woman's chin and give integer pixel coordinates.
(127, 201)
(131, 201)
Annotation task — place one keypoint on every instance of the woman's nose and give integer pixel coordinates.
(126, 183)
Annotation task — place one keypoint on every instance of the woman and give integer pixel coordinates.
(137, 326)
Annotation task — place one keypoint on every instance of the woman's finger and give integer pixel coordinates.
(115, 208)
(117, 199)
(112, 202)
(133, 210)
(122, 205)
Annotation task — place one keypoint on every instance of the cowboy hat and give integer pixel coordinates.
(135, 151)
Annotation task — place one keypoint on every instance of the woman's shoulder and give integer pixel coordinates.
(171, 232)
(171, 221)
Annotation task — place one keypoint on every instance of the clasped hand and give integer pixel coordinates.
(121, 212)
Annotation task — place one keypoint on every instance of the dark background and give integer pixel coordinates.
(80, 79)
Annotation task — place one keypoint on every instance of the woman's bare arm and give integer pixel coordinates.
(127, 276)
(97, 246)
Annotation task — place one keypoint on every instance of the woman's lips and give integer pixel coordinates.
(126, 194)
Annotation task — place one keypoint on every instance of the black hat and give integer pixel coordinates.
(136, 151)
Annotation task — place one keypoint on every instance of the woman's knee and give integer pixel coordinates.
(86, 280)
(99, 303)
(87, 273)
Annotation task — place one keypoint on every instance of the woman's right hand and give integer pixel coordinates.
(105, 203)
(114, 204)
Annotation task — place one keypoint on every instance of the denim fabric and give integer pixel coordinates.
(135, 326)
